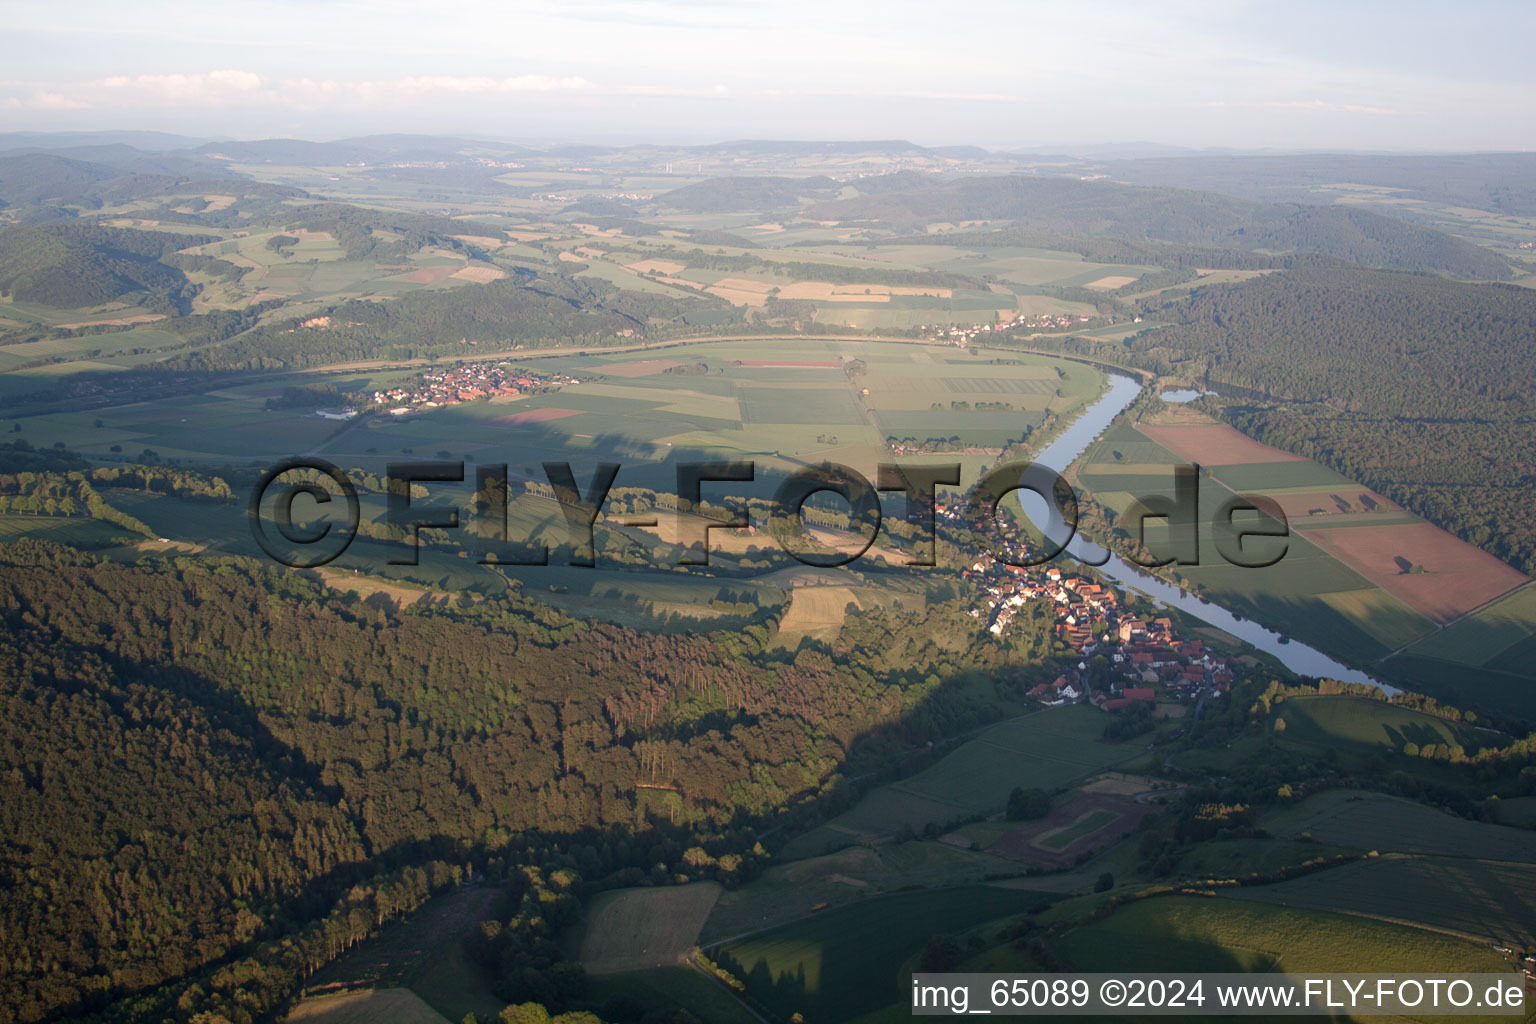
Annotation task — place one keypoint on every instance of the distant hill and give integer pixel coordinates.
(757, 194)
(71, 265)
(1067, 206)
(49, 179)
(797, 147)
(149, 142)
(1496, 182)
(35, 177)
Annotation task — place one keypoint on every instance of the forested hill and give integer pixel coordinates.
(524, 310)
(764, 194)
(1066, 206)
(1413, 384)
(206, 753)
(85, 264)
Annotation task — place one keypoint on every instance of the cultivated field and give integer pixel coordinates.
(1192, 933)
(1214, 444)
(1367, 821)
(1487, 902)
(397, 1005)
(788, 891)
(1345, 583)
(1456, 579)
(633, 929)
(1047, 749)
(420, 964)
(1483, 637)
(839, 964)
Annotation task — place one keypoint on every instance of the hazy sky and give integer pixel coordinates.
(1337, 74)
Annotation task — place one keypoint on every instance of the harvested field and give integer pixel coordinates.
(1457, 576)
(1090, 821)
(803, 363)
(1336, 501)
(392, 1004)
(818, 611)
(1214, 444)
(429, 275)
(743, 284)
(482, 240)
(571, 257)
(633, 929)
(662, 266)
(1111, 282)
(636, 368)
(479, 275)
(518, 419)
(122, 321)
(1120, 784)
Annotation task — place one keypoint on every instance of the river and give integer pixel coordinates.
(1071, 443)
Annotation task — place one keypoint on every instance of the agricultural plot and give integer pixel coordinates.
(840, 964)
(419, 966)
(1192, 933)
(1047, 749)
(1367, 821)
(1214, 444)
(399, 1005)
(633, 929)
(670, 989)
(1348, 582)
(789, 891)
(76, 531)
(1336, 722)
(1422, 565)
(1490, 903)
(1485, 635)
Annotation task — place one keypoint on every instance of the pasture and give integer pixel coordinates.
(839, 964)
(788, 891)
(1337, 722)
(1194, 933)
(1490, 903)
(669, 989)
(424, 959)
(1373, 821)
(1047, 749)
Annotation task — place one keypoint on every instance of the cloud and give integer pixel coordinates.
(40, 99)
(483, 84)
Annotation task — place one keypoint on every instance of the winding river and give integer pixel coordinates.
(1072, 442)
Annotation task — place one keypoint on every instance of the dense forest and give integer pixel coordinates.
(161, 717)
(1067, 207)
(523, 310)
(85, 264)
(726, 195)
